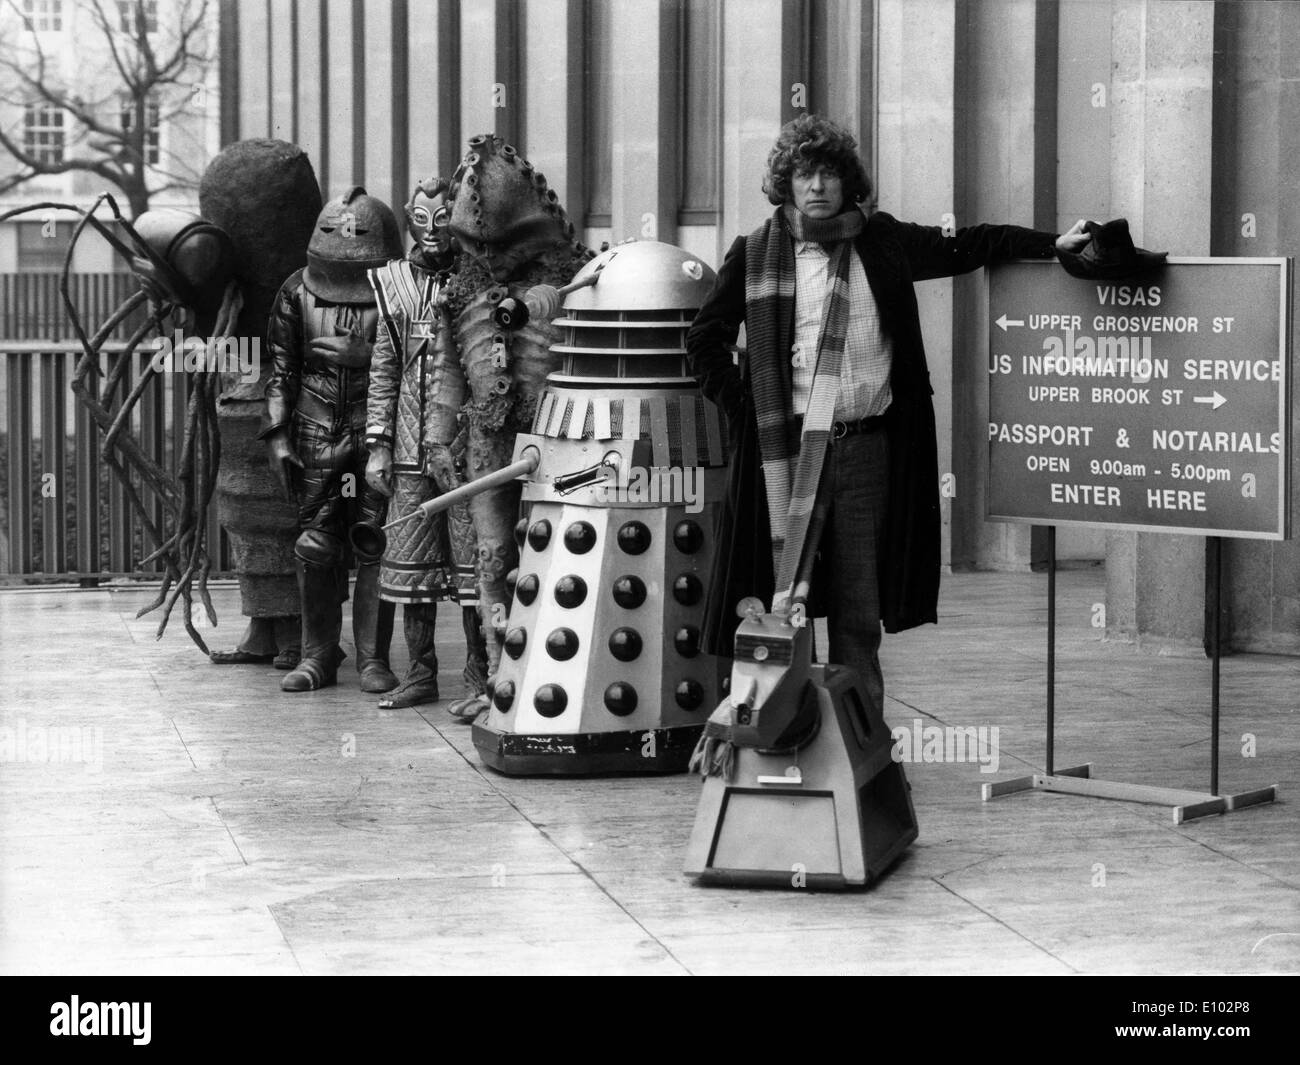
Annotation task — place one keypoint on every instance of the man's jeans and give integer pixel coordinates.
(858, 472)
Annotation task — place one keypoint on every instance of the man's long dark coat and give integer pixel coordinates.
(895, 255)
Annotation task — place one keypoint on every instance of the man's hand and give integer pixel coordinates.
(379, 470)
(282, 457)
(1075, 238)
(350, 350)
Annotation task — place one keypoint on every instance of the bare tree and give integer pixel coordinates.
(159, 53)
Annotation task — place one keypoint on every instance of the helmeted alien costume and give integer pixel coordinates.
(416, 392)
(514, 235)
(320, 339)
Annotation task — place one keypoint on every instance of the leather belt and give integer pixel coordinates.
(841, 429)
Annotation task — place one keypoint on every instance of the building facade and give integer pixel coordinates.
(76, 47)
(653, 118)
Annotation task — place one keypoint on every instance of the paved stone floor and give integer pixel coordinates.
(216, 825)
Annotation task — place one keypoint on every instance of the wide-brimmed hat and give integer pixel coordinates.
(1110, 254)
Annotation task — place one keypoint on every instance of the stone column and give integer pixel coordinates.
(1005, 172)
(1161, 96)
(916, 173)
(1255, 197)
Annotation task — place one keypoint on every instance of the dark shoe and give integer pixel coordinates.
(256, 647)
(312, 674)
(288, 641)
(239, 658)
(288, 658)
(376, 677)
(410, 692)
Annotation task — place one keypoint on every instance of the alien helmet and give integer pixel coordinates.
(354, 233)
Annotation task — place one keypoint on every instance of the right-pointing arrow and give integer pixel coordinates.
(1216, 401)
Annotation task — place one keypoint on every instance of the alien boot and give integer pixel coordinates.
(420, 685)
(372, 629)
(322, 622)
(476, 669)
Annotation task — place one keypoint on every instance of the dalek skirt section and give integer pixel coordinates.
(601, 670)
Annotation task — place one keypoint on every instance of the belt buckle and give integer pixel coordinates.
(839, 430)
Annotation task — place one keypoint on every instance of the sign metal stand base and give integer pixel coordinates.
(1078, 780)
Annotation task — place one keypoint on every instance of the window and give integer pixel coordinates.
(129, 9)
(151, 132)
(42, 246)
(43, 133)
(44, 16)
(699, 108)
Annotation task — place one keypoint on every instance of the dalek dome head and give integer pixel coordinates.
(630, 323)
(642, 275)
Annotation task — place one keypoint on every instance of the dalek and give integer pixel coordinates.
(625, 466)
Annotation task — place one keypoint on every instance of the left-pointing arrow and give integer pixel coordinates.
(1004, 321)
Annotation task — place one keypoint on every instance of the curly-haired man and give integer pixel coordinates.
(833, 390)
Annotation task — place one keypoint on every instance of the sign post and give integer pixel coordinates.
(1159, 404)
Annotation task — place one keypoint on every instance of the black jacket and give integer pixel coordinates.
(895, 255)
(303, 386)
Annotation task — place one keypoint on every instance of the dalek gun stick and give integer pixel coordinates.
(373, 538)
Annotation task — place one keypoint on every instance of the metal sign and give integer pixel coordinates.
(1161, 405)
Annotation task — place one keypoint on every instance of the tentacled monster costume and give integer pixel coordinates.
(213, 277)
(414, 433)
(321, 336)
(514, 234)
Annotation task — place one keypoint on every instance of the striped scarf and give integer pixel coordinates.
(792, 466)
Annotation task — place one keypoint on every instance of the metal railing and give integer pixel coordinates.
(31, 305)
(66, 515)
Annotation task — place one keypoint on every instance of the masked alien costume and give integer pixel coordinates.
(417, 389)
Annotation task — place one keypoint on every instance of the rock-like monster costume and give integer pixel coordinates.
(321, 337)
(263, 194)
(417, 389)
(514, 235)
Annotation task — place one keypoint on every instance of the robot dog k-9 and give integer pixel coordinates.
(800, 786)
